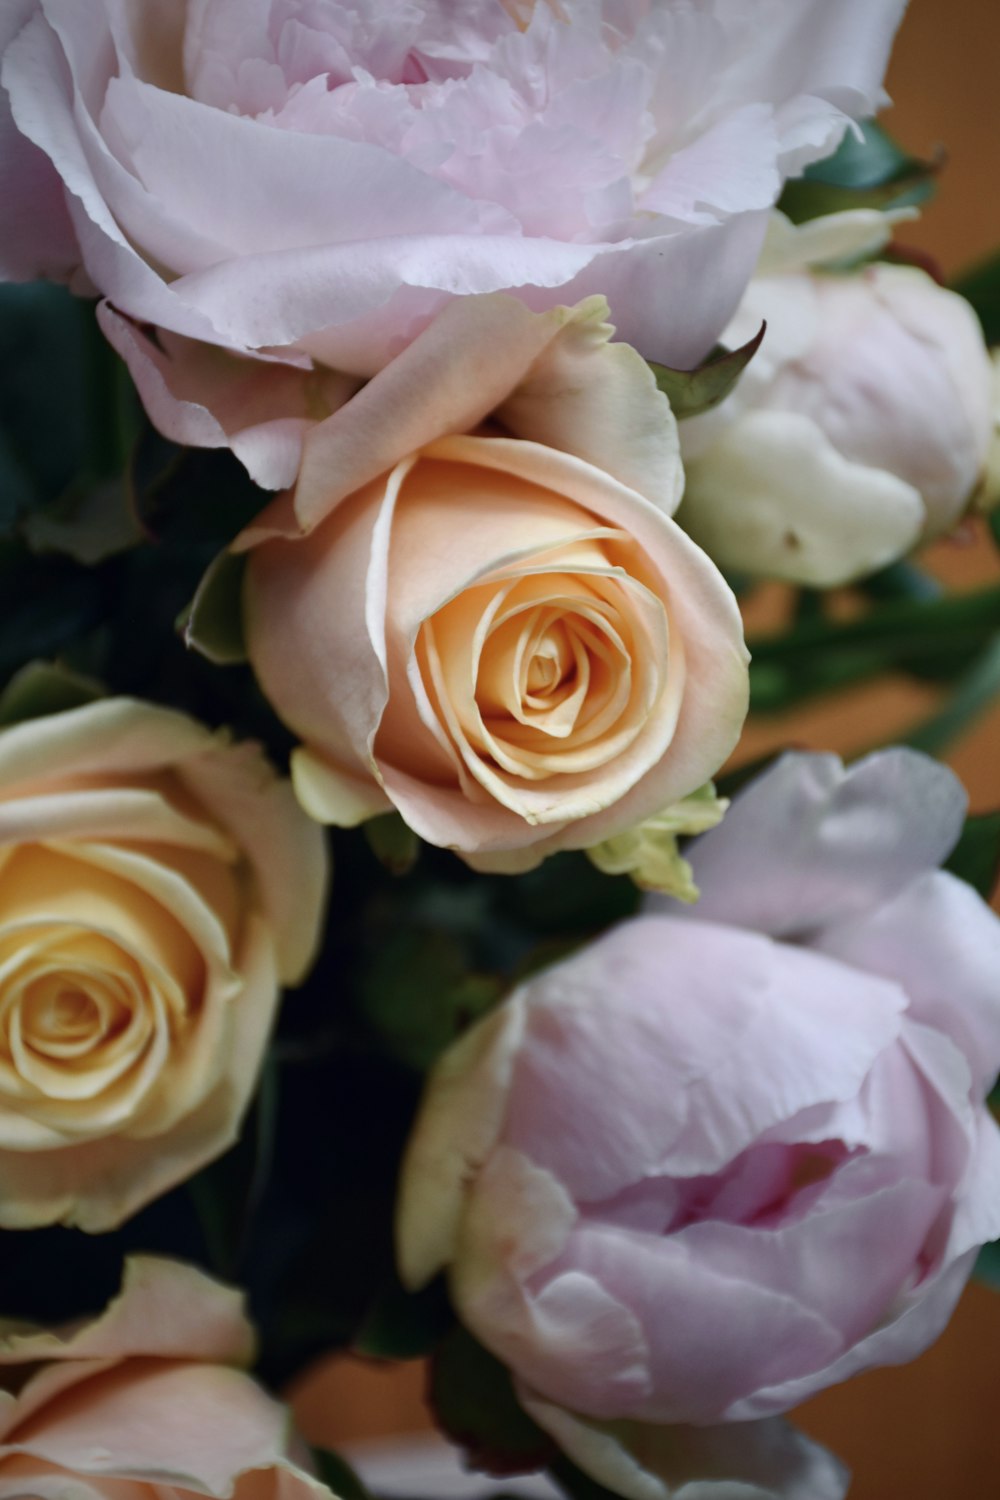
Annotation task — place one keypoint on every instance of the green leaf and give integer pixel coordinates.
(44, 414)
(867, 171)
(971, 696)
(50, 605)
(336, 1473)
(473, 1398)
(213, 621)
(42, 688)
(976, 856)
(88, 522)
(980, 285)
(932, 639)
(393, 844)
(987, 1268)
(419, 995)
(405, 1325)
(191, 496)
(691, 392)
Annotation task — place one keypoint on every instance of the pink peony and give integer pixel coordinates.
(309, 180)
(720, 1160)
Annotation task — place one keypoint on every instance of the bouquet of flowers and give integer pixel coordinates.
(404, 402)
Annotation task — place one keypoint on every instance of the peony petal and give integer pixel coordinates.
(773, 497)
(738, 1461)
(459, 1124)
(810, 843)
(203, 397)
(941, 942)
(699, 1044)
(38, 235)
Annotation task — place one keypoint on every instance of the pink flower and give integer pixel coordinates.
(474, 606)
(145, 1401)
(310, 180)
(722, 1159)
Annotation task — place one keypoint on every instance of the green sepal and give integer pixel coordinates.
(980, 285)
(976, 857)
(867, 172)
(213, 622)
(472, 1395)
(394, 845)
(419, 995)
(336, 1473)
(43, 688)
(405, 1325)
(692, 392)
(88, 522)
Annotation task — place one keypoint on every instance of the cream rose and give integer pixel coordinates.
(145, 1401)
(475, 607)
(157, 885)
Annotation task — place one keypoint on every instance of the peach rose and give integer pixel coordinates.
(144, 1401)
(475, 608)
(157, 885)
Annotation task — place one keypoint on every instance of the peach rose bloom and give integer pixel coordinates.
(157, 885)
(144, 1401)
(475, 607)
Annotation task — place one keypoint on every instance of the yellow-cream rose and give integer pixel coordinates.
(157, 885)
(146, 1401)
(475, 608)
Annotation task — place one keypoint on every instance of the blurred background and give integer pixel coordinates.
(928, 1430)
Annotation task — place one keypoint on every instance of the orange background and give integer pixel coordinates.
(929, 1431)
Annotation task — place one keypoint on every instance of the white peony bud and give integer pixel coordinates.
(861, 429)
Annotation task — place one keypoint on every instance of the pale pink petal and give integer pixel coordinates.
(941, 942)
(751, 1460)
(38, 236)
(811, 844)
(204, 397)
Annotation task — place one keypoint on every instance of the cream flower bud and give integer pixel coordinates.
(861, 430)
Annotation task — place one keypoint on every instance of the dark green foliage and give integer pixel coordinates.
(868, 171)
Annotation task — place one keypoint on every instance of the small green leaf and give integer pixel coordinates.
(405, 1325)
(88, 522)
(473, 1398)
(336, 1473)
(980, 285)
(191, 496)
(987, 1268)
(393, 844)
(976, 690)
(691, 392)
(213, 621)
(419, 995)
(870, 171)
(976, 856)
(42, 688)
